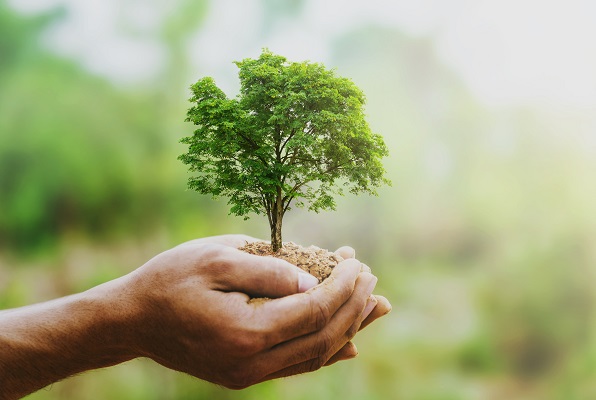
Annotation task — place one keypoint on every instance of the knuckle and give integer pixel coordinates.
(209, 251)
(278, 277)
(246, 345)
(346, 290)
(244, 238)
(323, 346)
(249, 340)
(258, 341)
(351, 332)
(327, 344)
(321, 313)
(316, 363)
(240, 377)
(216, 260)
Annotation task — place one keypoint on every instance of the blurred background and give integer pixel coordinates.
(485, 244)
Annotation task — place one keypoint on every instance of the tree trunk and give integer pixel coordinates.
(276, 241)
(276, 222)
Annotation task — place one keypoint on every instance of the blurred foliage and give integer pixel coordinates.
(70, 147)
(484, 245)
(76, 153)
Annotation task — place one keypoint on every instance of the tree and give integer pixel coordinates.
(295, 135)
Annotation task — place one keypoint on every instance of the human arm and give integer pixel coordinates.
(47, 342)
(188, 309)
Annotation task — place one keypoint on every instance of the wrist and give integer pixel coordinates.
(47, 342)
(113, 326)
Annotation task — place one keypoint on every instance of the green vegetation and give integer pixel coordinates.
(485, 248)
(295, 130)
(70, 146)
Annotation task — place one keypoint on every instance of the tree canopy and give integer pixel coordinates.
(296, 135)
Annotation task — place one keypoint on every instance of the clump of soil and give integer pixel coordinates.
(314, 260)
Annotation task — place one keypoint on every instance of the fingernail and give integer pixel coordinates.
(370, 305)
(306, 281)
(365, 268)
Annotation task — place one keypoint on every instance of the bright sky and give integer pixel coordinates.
(508, 51)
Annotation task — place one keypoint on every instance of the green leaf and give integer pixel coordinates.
(295, 133)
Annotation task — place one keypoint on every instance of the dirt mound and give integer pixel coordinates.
(314, 260)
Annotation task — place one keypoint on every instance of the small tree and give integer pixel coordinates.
(295, 131)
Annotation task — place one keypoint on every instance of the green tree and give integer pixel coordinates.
(295, 135)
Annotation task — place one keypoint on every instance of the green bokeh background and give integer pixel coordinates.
(485, 244)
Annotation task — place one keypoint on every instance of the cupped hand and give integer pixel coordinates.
(195, 316)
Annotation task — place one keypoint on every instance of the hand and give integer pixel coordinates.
(380, 307)
(194, 313)
(376, 306)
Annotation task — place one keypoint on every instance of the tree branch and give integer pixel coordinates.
(297, 186)
(267, 205)
(300, 184)
(285, 208)
(339, 166)
(278, 143)
(303, 159)
(255, 147)
(287, 155)
(290, 136)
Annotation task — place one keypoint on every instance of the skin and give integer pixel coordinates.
(188, 309)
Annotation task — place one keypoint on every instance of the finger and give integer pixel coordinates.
(308, 312)
(371, 303)
(346, 252)
(382, 308)
(344, 353)
(257, 276)
(231, 240)
(310, 352)
(347, 352)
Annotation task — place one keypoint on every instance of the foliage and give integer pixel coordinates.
(486, 249)
(74, 150)
(295, 131)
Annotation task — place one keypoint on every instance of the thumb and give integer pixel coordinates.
(265, 276)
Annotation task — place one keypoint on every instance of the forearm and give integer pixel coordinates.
(47, 342)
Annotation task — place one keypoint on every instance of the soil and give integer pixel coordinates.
(314, 260)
